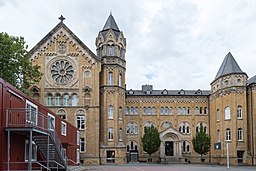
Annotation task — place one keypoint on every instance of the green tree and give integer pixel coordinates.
(201, 142)
(15, 65)
(151, 140)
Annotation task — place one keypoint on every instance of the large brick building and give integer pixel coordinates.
(89, 91)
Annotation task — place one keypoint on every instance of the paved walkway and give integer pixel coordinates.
(167, 167)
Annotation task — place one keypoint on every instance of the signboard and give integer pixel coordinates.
(217, 146)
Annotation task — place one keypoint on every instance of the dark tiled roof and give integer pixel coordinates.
(252, 80)
(110, 24)
(53, 31)
(168, 92)
(228, 66)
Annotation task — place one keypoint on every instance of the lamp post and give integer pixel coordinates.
(227, 156)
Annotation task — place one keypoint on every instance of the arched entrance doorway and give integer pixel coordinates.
(132, 151)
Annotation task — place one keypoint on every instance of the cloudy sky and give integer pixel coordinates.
(172, 44)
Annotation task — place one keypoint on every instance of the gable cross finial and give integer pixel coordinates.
(61, 18)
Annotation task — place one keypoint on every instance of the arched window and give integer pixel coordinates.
(120, 80)
(49, 101)
(148, 124)
(179, 110)
(136, 110)
(110, 112)
(62, 114)
(87, 73)
(228, 134)
(196, 111)
(184, 127)
(239, 112)
(201, 110)
(111, 50)
(57, 100)
(102, 51)
(227, 113)
(161, 110)
(205, 110)
(204, 125)
(154, 111)
(144, 110)
(127, 110)
(165, 125)
(240, 134)
(149, 110)
(66, 100)
(132, 128)
(218, 135)
(170, 110)
(188, 111)
(183, 111)
(74, 100)
(110, 134)
(166, 111)
(185, 147)
(110, 78)
(131, 111)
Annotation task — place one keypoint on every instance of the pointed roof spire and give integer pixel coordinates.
(229, 66)
(111, 23)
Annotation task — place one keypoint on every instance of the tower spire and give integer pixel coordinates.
(110, 23)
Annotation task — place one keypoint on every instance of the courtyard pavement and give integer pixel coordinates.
(166, 167)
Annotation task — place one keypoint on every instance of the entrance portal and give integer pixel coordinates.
(169, 148)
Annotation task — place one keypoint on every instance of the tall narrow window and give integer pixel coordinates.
(66, 100)
(110, 78)
(161, 110)
(227, 113)
(80, 122)
(136, 110)
(239, 112)
(120, 135)
(201, 110)
(131, 110)
(205, 110)
(31, 112)
(188, 111)
(74, 100)
(110, 134)
(149, 110)
(102, 51)
(63, 128)
(49, 100)
(51, 122)
(144, 110)
(218, 135)
(120, 80)
(170, 111)
(110, 112)
(82, 145)
(154, 111)
(183, 111)
(218, 115)
(228, 134)
(57, 100)
(179, 110)
(166, 111)
(196, 111)
(240, 134)
(120, 115)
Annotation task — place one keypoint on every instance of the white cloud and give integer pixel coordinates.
(170, 44)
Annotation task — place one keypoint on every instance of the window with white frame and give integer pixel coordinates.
(110, 78)
(183, 111)
(57, 100)
(170, 111)
(161, 110)
(131, 110)
(82, 145)
(228, 134)
(49, 100)
(74, 100)
(240, 134)
(110, 134)
(63, 128)
(227, 112)
(166, 110)
(154, 111)
(144, 110)
(120, 135)
(218, 115)
(34, 151)
(51, 122)
(66, 100)
(31, 112)
(80, 122)
(110, 112)
(136, 110)
(149, 110)
(218, 135)
(239, 112)
(179, 110)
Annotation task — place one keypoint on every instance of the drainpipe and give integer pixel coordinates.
(252, 128)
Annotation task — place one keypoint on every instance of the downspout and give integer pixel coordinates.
(209, 125)
(252, 128)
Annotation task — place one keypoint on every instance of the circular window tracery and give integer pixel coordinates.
(62, 71)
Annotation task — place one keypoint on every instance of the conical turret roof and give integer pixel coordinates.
(229, 66)
(110, 24)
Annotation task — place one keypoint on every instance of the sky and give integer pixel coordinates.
(171, 44)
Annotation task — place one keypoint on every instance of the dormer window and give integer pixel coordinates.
(148, 92)
(130, 92)
(181, 91)
(165, 92)
(200, 92)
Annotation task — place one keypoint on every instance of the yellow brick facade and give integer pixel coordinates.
(89, 91)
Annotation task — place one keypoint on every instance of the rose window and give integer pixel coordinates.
(62, 71)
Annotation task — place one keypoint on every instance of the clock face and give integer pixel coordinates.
(62, 71)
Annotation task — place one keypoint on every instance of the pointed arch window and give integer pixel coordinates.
(110, 78)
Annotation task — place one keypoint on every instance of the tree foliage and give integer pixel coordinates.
(15, 65)
(201, 142)
(151, 140)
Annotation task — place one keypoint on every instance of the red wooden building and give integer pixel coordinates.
(31, 136)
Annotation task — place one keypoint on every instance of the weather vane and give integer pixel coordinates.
(61, 18)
